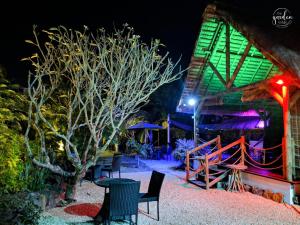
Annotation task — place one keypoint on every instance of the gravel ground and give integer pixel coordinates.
(182, 203)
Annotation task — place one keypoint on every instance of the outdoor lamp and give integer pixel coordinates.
(192, 102)
(280, 82)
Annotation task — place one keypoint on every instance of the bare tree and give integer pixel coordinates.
(99, 81)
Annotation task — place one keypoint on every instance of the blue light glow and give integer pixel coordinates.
(192, 101)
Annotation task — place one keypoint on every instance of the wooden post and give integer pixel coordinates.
(195, 126)
(284, 161)
(217, 73)
(206, 171)
(227, 53)
(116, 147)
(219, 146)
(287, 133)
(243, 149)
(158, 137)
(169, 132)
(187, 168)
(239, 65)
(145, 136)
(197, 109)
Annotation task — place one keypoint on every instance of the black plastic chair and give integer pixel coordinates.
(121, 202)
(154, 188)
(115, 165)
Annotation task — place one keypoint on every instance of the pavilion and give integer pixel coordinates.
(238, 67)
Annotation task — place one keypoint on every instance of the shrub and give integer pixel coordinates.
(146, 151)
(16, 171)
(37, 178)
(132, 146)
(182, 145)
(18, 208)
(13, 116)
(11, 165)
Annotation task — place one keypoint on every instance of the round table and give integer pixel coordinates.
(235, 181)
(107, 181)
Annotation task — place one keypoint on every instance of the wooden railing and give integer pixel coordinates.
(219, 152)
(211, 160)
(216, 140)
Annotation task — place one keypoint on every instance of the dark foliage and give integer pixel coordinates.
(18, 209)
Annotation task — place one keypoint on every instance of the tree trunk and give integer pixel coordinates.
(116, 147)
(71, 191)
(69, 188)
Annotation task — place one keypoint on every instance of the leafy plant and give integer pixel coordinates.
(132, 146)
(146, 151)
(36, 177)
(182, 146)
(10, 160)
(12, 117)
(16, 170)
(18, 208)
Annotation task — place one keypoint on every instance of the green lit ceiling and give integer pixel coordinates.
(211, 47)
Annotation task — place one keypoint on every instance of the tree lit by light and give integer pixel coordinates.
(61, 146)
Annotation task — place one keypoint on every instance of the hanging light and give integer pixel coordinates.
(192, 101)
(280, 82)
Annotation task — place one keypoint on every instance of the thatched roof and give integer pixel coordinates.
(270, 52)
(280, 46)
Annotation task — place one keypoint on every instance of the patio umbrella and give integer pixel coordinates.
(146, 126)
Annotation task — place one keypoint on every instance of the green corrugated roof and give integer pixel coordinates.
(255, 67)
(211, 47)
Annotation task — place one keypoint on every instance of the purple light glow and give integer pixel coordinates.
(250, 112)
(261, 124)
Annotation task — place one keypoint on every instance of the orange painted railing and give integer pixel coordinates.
(216, 140)
(211, 160)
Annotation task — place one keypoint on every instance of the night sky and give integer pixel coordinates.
(175, 23)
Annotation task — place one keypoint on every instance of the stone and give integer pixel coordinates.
(248, 188)
(268, 194)
(278, 197)
(257, 191)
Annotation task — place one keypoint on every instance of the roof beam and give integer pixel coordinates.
(212, 49)
(236, 54)
(236, 89)
(275, 95)
(294, 98)
(239, 65)
(217, 73)
(227, 52)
